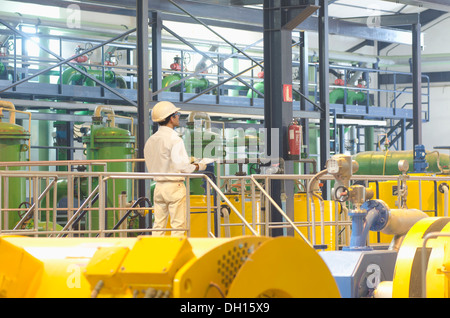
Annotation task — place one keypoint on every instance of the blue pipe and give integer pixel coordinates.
(373, 217)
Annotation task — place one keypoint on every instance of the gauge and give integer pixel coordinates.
(403, 165)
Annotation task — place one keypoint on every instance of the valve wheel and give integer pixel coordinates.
(341, 194)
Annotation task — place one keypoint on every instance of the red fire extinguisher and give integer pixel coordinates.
(295, 138)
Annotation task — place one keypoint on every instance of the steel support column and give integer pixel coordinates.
(143, 94)
(280, 18)
(417, 84)
(304, 78)
(324, 89)
(156, 24)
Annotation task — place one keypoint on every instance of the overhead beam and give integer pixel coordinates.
(442, 5)
(388, 20)
(242, 18)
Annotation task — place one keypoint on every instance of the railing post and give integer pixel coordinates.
(188, 204)
(208, 205)
(36, 203)
(101, 206)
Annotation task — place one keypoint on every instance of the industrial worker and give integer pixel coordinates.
(164, 152)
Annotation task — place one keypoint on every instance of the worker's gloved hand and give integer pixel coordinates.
(201, 166)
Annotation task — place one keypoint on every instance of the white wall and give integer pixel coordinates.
(435, 58)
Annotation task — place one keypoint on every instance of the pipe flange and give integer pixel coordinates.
(383, 213)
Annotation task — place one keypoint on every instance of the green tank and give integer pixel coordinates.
(103, 143)
(13, 147)
(386, 163)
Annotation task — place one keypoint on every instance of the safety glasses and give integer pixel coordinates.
(176, 114)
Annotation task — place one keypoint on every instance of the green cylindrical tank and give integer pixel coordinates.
(369, 140)
(105, 143)
(386, 163)
(13, 147)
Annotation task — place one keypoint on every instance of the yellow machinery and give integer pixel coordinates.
(424, 195)
(241, 267)
(408, 281)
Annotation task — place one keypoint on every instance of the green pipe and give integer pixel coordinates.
(369, 140)
(45, 42)
(169, 79)
(44, 139)
(259, 87)
(73, 77)
(110, 77)
(69, 79)
(192, 83)
(337, 96)
(386, 163)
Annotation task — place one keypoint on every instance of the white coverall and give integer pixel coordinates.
(164, 152)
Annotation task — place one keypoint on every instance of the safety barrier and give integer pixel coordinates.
(88, 194)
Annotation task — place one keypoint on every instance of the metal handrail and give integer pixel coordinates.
(222, 195)
(184, 175)
(209, 182)
(280, 210)
(33, 207)
(132, 208)
(80, 209)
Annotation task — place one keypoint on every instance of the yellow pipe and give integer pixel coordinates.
(10, 106)
(107, 109)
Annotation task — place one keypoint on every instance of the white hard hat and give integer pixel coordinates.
(162, 110)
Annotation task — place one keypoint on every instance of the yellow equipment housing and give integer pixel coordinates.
(407, 282)
(246, 266)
